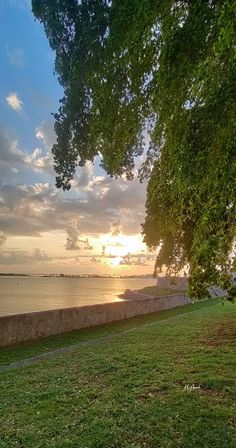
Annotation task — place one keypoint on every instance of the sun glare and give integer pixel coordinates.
(120, 246)
(116, 261)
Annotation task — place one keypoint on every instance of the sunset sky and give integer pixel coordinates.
(94, 228)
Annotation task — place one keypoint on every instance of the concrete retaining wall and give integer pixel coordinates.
(19, 328)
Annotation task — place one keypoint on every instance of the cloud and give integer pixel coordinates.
(40, 255)
(72, 238)
(14, 101)
(2, 239)
(95, 260)
(14, 160)
(16, 57)
(86, 244)
(12, 163)
(99, 203)
(33, 209)
(133, 260)
(9, 150)
(21, 257)
(45, 132)
(39, 161)
(73, 242)
(115, 228)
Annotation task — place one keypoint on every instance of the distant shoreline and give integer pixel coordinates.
(102, 276)
(2, 274)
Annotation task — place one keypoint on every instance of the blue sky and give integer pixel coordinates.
(93, 228)
(27, 64)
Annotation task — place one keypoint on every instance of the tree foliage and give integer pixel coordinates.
(163, 70)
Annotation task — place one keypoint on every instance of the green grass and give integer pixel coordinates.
(129, 389)
(155, 291)
(28, 349)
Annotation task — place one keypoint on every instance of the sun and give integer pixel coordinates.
(115, 248)
(116, 261)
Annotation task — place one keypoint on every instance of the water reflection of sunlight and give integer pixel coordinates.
(118, 299)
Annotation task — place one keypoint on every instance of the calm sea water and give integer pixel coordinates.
(25, 294)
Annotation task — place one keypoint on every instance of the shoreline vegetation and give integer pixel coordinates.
(155, 291)
(151, 292)
(10, 274)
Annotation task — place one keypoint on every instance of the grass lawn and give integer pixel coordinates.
(155, 291)
(132, 388)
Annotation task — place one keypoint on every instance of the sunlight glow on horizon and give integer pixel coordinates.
(116, 261)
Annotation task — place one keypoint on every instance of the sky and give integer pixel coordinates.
(95, 227)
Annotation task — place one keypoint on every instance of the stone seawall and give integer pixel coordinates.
(19, 328)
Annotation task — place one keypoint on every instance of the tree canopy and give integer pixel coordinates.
(163, 72)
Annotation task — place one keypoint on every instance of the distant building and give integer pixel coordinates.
(175, 283)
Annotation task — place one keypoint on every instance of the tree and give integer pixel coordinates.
(167, 70)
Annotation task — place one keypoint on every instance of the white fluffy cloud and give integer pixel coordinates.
(100, 204)
(45, 132)
(14, 101)
(41, 160)
(14, 160)
(36, 208)
(73, 242)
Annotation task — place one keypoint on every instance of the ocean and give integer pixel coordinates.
(27, 294)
